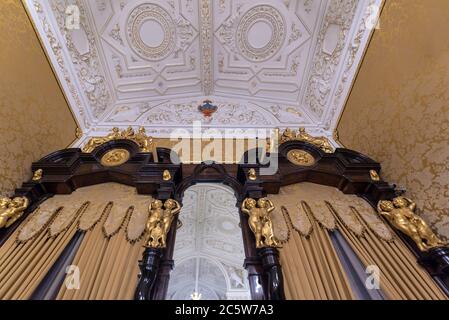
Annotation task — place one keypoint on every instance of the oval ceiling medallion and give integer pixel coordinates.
(300, 158)
(115, 157)
(260, 33)
(151, 32)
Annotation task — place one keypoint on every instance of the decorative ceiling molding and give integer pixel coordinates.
(271, 63)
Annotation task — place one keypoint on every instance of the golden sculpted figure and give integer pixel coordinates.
(288, 135)
(98, 141)
(401, 214)
(11, 210)
(159, 222)
(145, 142)
(259, 221)
(320, 142)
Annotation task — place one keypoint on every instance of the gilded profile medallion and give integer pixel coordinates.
(115, 157)
(300, 158)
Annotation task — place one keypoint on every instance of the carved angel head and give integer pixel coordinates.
(250, 203)
(169, 204)
(400, 202)
(156, 204)
(386, 205)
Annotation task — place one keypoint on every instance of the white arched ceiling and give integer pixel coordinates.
(209, 252)
(270, 63)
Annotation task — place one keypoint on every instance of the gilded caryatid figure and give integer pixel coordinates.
(159, 222)
(401, 214)
(259, 221)
(11, 210)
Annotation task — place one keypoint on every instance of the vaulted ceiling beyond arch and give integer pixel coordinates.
(271, 63)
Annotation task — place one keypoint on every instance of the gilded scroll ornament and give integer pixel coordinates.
(300, 158)
(252, 174)
(11, 210)
(320, 142)
(401, 214)
(374, 175)
(260, 222)
(37, 175)
(166, 176)
(115, 157)
(145, 142)
(159, 222)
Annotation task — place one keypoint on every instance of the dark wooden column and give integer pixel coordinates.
(149, 267)
(273, 273)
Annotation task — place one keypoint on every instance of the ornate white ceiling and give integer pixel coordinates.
(209, 252)
(271, 63)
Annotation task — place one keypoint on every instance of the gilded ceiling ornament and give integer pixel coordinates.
(374, 175)
(400, 212)
(143, 14)
(166, 176)
(37, 175)
(320, 142)
(115, 157)
(78, 132)
(326, 60)
(252, 174)
(300, 158)
(270, 16)
(145, 142)
(11, 210)
(159, 222)
(260, 221)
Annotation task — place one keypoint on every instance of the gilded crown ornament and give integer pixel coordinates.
(159, 222)
(146, 143)
(320, 142)
(260, 222)
(11, 210)
(37, 175)
(400, 212)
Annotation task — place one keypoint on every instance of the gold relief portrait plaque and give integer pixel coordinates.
(115, 157)
(300, 158)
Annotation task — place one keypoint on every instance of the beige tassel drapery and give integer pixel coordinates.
(372, 240)
(108, 265)
(112, 216)
(311, 267)
(24, 264)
